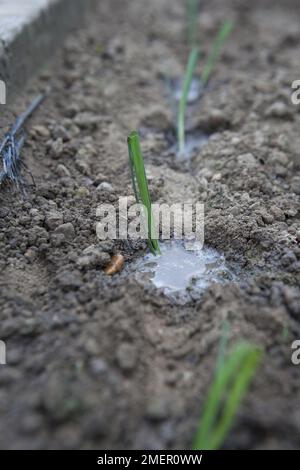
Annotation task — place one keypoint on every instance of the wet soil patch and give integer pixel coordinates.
(183, 271)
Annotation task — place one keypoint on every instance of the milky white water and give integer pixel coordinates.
(179, 271)
(195, 90)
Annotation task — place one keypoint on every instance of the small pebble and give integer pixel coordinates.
(116, 265)
(53, 219)
(126, 357)
(93, 257)
(105, 187)
(56, 148)
(278, 110)
(63, 171)
(41, 131)
(67, 230)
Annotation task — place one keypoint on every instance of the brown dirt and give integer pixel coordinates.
(98, 362)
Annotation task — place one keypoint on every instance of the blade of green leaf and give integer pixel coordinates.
(190, 69)
(192, 14)
(223, 34)
(231, 381)
(140, 185)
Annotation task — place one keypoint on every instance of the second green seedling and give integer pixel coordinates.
(223, 34)
(190, 70)
(232, 379)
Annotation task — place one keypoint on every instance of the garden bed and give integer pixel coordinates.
(104, 362)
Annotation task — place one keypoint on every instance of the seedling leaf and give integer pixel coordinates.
(140, 185)
(232, 381)
(223, 34)
(190, 69)
(192, 14)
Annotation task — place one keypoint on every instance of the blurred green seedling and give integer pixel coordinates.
(232, 379)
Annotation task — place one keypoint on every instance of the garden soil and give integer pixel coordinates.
(106, 362)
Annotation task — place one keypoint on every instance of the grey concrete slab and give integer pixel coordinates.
(30, 31)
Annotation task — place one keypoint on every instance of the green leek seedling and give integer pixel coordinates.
(190, 69)
(140, 185)
(223, 34)
(192, 14)
(225, 395)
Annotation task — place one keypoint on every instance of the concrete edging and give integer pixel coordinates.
(30, 32)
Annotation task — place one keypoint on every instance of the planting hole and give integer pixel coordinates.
(194, 141)
(195, 91)
(183, 273)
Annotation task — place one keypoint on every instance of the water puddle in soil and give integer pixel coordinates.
(194, 141)
(195, 92)
(184, 274)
